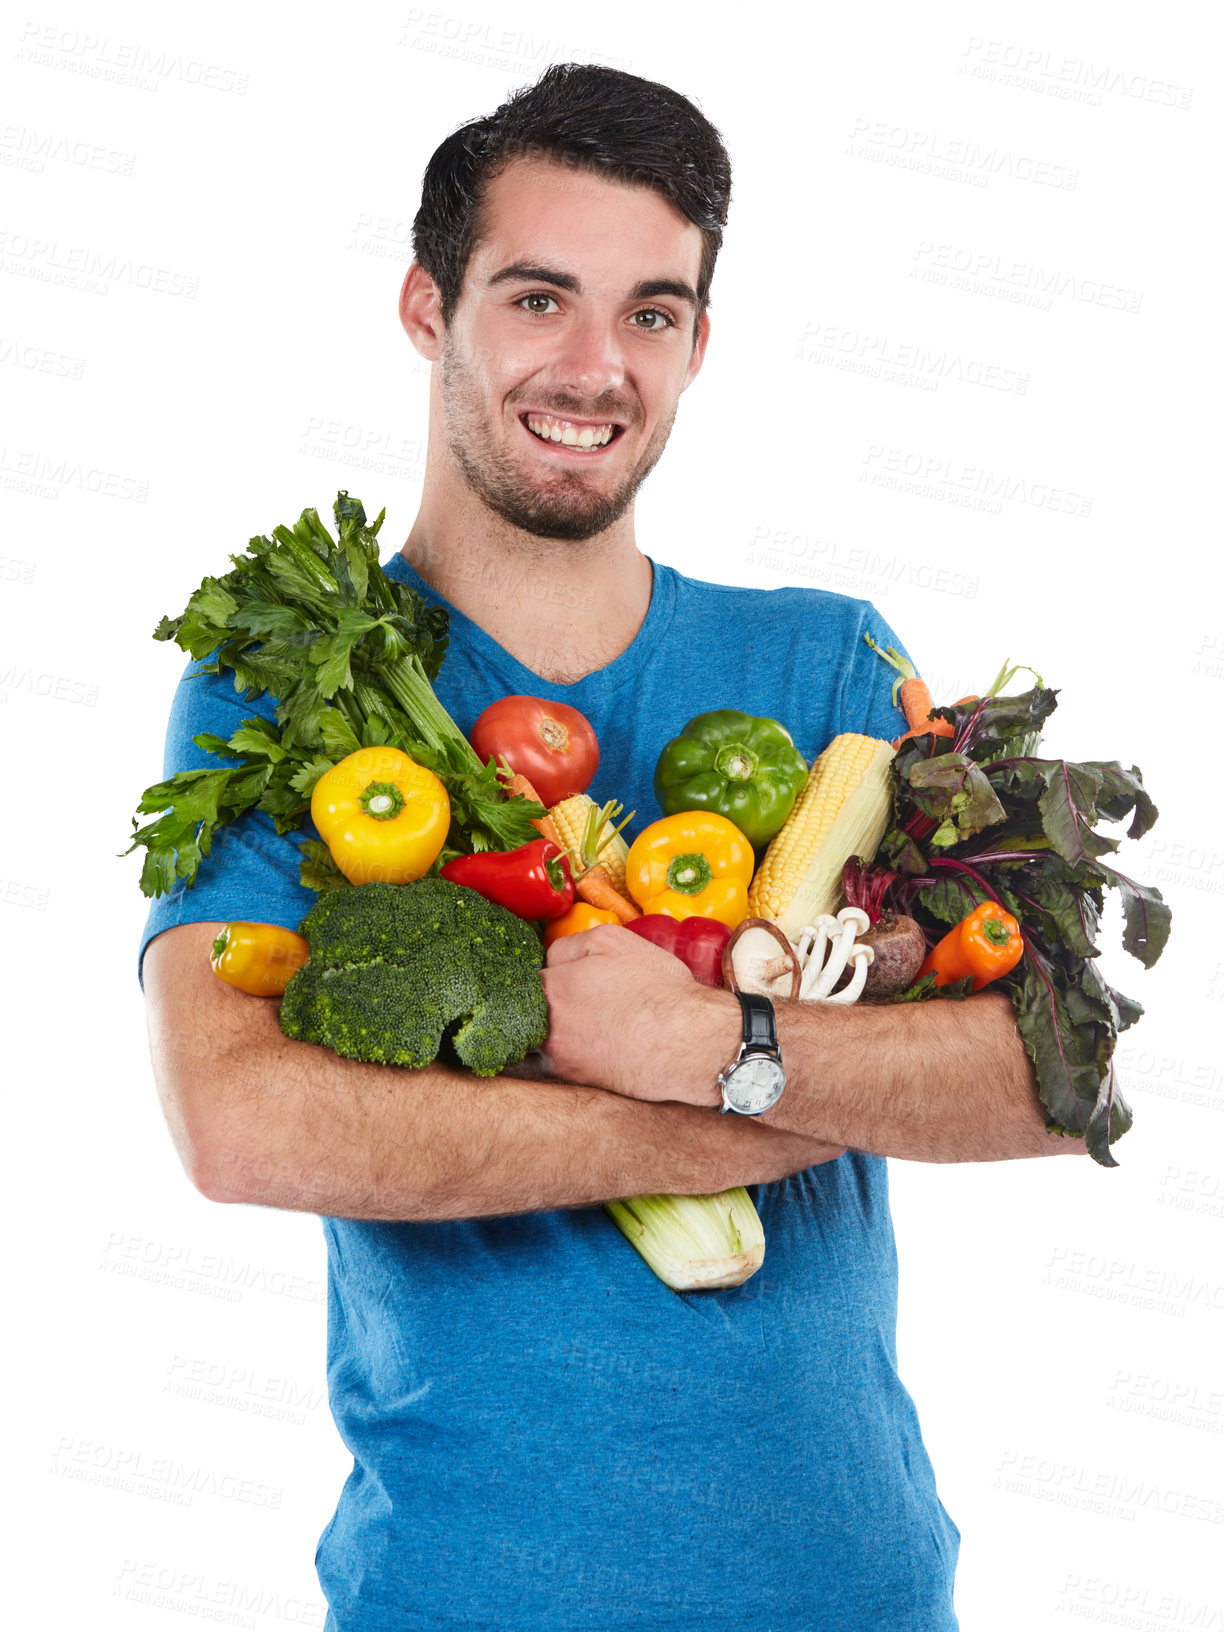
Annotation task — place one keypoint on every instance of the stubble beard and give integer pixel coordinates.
(564, 507)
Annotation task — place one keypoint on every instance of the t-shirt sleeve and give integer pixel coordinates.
(866, 699)
(251, 872)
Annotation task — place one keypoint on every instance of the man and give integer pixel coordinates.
(544, 1436)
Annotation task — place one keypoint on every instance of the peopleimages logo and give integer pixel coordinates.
(1160, 1291)
(208, 1598)
(133, 1471)
(977, 487)
(902, 362)
(473, 40)
(18, 680)
(77, 266)
(169, 1264)
(239, 1388)
(1135, 1604)
(1149, 1072)
(122, 62)
(41, 359)
(1026, 283)
(955, 158)
(853, 566)
(1073, 79)
(1113, 1494)
(1176, 1401)
(28, 470)
(26, 148)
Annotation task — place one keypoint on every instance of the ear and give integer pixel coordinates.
(420, 310)
(698, 354)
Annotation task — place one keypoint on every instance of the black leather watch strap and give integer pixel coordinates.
(760, 1029)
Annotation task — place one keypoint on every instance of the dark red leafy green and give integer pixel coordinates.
(981, 817)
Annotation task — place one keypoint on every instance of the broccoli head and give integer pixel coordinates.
(395, 969)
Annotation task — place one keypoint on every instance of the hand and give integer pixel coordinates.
(627, 1016)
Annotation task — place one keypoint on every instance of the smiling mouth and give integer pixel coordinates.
(568, 433)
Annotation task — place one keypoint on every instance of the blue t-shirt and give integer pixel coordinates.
(544, 1436)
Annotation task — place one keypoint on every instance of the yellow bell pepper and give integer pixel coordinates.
(383, 817)
(693, 864)
(258, 958)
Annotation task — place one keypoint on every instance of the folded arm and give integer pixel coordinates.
(931, 1082)
(258, 1118)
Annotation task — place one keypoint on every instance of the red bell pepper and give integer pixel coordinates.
(698, 942)
(533, 881)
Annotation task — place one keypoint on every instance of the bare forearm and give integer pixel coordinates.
(928, 1082)
(261, 1119)
(310, 1132)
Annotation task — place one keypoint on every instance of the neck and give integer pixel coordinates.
(564, 609)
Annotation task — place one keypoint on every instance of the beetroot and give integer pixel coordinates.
(900, 950)
(898, 941)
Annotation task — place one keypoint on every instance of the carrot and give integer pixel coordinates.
(915, 697)
(594, 886)
(543, 824)
(917, 703)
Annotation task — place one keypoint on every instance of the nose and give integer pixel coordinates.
(592, 364)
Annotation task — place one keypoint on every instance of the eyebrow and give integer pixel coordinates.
(520, 272)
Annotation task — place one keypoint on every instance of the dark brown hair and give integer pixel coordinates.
(588, 117)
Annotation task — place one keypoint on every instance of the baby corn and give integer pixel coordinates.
(571, 817)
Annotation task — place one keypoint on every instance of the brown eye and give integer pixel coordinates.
(528, 303)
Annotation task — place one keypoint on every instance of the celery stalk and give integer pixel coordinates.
(694, 1243)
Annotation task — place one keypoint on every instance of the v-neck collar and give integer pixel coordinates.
(522, 680)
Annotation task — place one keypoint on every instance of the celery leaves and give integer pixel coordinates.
(348, 654)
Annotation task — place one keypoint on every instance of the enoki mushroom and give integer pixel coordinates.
(825, 948)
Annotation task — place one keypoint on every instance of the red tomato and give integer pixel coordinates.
(551, 744)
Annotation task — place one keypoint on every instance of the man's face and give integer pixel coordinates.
(570, 345)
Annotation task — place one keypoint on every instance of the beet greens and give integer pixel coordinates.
(979, 816)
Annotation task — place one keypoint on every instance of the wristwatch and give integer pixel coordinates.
(753, 1082)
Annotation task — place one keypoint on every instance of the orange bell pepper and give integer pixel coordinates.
(985, 944)
(579, 917)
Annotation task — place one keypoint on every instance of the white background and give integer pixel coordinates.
(971, 250)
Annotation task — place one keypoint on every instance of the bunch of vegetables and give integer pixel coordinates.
(994, 850)
(349, 655)
(924, 868)
(964, 858)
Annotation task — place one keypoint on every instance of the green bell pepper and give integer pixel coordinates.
(744, 767)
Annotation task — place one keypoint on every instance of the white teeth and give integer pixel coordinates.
(562, 431)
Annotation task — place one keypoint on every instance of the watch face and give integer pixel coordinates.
(754, 1084)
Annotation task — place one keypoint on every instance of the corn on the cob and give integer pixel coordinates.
(842, 812)
(570, 819)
